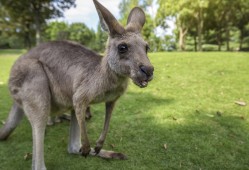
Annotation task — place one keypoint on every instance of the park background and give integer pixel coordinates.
(193, 115)
(186, 25)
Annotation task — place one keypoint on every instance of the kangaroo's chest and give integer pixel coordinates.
(110, 94)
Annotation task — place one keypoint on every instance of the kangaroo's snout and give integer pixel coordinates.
(144, 75)
(148, 71)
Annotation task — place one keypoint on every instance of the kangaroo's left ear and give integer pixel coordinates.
(108, 21)
(135, 20)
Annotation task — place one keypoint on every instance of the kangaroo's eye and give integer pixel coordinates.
(147, 48)
(122, 48)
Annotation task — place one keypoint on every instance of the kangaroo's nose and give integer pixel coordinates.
(148, 70)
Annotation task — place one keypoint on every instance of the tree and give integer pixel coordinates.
(57, 31)
(100, 39)
(198, 10)
(78, 32)
(188, 14)
(81, 33)
(219, 19)
(36, 12)
(242, 19)
(15, 26)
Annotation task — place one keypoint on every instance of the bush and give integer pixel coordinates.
(209, 47)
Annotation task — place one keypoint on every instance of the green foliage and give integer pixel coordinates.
(29, 17)
(100, 40)
(188, 15)
(198, 18)
(78, 32)
(209, 47)
(223, 23)
(188, 107)
(57, 31)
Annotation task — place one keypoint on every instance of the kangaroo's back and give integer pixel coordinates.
(65, 64)
(64, 53)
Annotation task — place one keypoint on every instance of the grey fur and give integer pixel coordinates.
(58, 76)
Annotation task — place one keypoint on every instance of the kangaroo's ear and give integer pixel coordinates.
(136, 20)
(108, 21)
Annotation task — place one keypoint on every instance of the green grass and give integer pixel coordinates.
(178, 108)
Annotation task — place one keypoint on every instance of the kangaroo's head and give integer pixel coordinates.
(126, 50)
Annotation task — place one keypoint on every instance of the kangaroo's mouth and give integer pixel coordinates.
(142, 76)
(142, 82)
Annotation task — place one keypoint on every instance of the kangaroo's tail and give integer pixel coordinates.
(15, 116)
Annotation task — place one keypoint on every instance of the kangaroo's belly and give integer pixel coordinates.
(60, 89)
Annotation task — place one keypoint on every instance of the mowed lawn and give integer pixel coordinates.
(185, 119)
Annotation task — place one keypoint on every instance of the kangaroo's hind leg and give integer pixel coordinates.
(36, 101)
(74, 135)
(37, 118)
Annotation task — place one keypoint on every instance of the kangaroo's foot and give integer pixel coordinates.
(108, 154)
(85, 150)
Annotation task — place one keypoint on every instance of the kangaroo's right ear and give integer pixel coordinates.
(136, 20)
(108, 21)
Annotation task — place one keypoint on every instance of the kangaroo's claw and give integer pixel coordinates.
(85, 150)
(97, 150)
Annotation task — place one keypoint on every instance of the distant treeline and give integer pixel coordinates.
(200, 25)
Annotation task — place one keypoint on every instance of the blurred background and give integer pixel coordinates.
(172, 25)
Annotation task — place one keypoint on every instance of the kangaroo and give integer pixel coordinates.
(58, 76)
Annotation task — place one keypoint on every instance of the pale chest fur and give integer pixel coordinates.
(111, 93)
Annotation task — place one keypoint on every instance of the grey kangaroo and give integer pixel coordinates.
(58, 76)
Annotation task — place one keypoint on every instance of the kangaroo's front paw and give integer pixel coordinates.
(85, 150)
(97, 149)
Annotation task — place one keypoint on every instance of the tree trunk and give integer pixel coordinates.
(241, 44)
(227, 38)
(219, 38)
(38, 34)
(182, 33)
(219, 42)
(219, 46)
(27, 36)
(195, 43)
(37, 16)
(200, 27)
(37, 30)
(181, 41)
(241, 37)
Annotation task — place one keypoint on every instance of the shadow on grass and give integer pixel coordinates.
(146, 98)
(142, 101)
(206, 141)
(190, 141)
